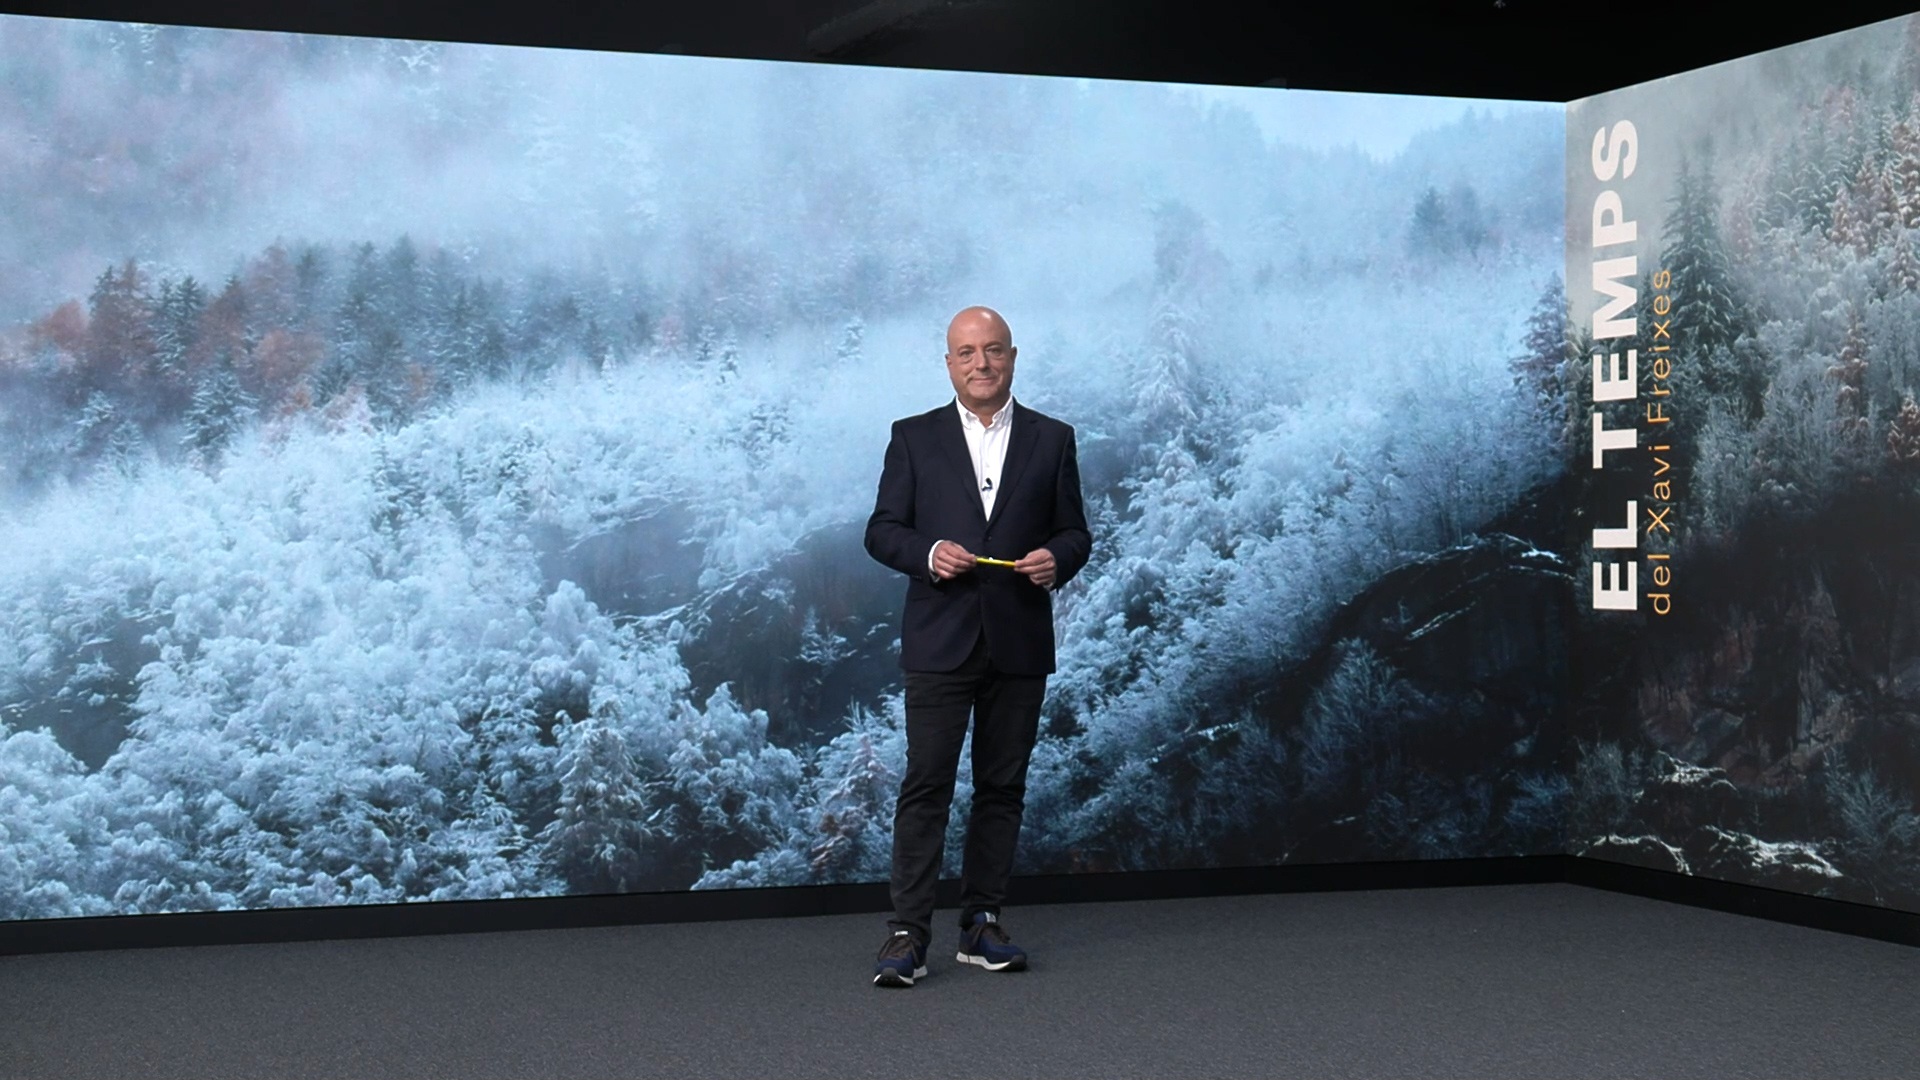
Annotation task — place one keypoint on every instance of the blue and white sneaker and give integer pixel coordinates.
(901, 961)
(986, 944)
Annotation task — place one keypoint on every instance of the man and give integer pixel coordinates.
(967, 489)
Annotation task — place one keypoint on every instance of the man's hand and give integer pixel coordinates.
(1038, 566)
(950, 560)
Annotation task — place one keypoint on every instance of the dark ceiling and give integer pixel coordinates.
(1553, 51)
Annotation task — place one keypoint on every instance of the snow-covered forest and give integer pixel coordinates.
(1766, 732)
(438, 472)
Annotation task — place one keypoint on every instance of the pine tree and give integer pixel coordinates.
(492, 360)
(98, 422)
(1707, 316)
(405, 285)
(331, 379)
(1543, 370)
(598, 841)
(1838, 149)
(1164, 400)
(1849, 370)
(220, 411)
(821, 650)
(226, 324)
(703, 348)
(596, 347)
(1902, 170)
(1874, 204)
(1470, 228)
(385, 375)
(1847, 229)
(857, 780)
(1429, 232)
(309, 279)
(399, 495)
(1543, 348)
(357, 322)
(1903, 267)
(1179, 245)
(1903, 437)
(456, 338)
(853, 336)
(176, 332)
(119, 347)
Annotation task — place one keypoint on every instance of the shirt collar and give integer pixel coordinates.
(999, 418)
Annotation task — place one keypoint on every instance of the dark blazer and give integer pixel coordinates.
(928, 493)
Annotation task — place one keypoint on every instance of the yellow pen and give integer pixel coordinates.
(984, 561)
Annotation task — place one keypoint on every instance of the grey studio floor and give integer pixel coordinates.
(1529, 980)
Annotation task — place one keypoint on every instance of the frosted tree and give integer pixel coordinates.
(1429, 230)
(1182, 258)
(176, 332)
(1878, 826)
(357, 324)
(705, 345)
(485, 853)
(1469, 218)
(1707, 310)
(454, 343)
(1849, 373)
(1163, 400)
(99, 421)
(399, 495)
(1801, 439)
(852, 792)
(1875, 205)
(1903, 266)
(1723, 468)
(219, 412)
(1902, 169)
(1546, 370)
(405, 284)
(598, 841)
(727, 793)
(50, 830)
(1903, 437)
(119, 346)
(1354, 724)
(821, 649)
(597, 347)
(851, 349)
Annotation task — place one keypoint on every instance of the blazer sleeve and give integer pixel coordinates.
(891, 536)
(1070, 543)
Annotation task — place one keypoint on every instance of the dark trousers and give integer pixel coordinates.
(1006, 720)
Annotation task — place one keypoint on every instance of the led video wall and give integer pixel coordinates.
(1745, 283)
(439, 471)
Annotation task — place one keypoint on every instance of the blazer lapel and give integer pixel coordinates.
(953, 440)
(1019, 452)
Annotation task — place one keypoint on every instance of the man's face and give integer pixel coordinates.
(980, 356)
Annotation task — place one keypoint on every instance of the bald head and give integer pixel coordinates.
(985, 318)
(980, 356)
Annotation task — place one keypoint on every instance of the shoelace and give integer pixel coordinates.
(992, 930)
(898, 945)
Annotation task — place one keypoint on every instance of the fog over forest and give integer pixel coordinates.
(437, 471)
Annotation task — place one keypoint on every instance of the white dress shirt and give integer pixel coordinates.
(987, 448)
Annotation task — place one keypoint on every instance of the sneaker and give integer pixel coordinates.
(986, 944)
(901, 961)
